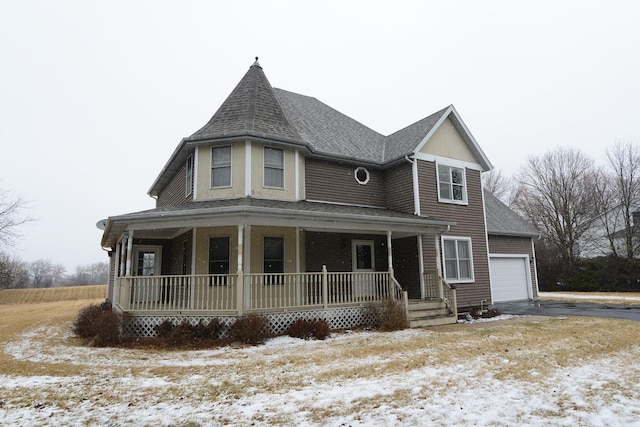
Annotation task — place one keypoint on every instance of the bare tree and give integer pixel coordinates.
(90, 274)
(12, 216)
(620, 199)
(45, 274)
(558, 196)
(499, 185)
(13, 272)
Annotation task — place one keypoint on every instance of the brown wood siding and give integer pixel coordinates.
(516, 245)
(334, 251)
(174, 193)
(469, 223)
(399, 188)
(112, 275)
(406, 266)
(176, 260)
(335, 182)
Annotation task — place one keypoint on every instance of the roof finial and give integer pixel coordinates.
(256, 63)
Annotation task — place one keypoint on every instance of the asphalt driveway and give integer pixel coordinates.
(563, 308)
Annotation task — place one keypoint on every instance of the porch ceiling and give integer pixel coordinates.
(251, 211)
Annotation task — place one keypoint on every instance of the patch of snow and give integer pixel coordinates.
(127, 389)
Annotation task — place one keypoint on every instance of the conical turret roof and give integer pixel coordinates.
(251, 109)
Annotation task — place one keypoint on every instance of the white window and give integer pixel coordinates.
(273, 167)
(362, 175)
(451, 184)
(221, 167)
(458, 259)
(189, 177)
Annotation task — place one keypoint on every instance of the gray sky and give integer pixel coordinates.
(95, 96)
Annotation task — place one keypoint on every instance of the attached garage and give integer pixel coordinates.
(512, 255)
(510, 278)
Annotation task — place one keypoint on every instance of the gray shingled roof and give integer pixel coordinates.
(250, 110)
(502, 221)
(404, 141)
(254, 109)
(340, 215)
(328, 131)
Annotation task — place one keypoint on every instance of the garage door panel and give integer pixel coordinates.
(509, 279)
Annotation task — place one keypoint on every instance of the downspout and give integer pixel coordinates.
(416, 189)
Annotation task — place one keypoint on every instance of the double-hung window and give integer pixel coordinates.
(451, 184)
(273, 167)
(458, 259)
(221, 167)
(219, 260)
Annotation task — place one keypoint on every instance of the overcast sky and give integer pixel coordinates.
(95, 96)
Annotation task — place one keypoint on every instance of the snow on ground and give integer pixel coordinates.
(273, 385)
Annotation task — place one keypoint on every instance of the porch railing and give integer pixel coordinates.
(438, 288)
(263, 291)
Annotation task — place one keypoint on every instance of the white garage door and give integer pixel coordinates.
(509, 278)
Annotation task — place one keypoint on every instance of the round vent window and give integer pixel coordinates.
(362, 175)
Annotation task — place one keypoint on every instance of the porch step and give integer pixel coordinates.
(429, 313)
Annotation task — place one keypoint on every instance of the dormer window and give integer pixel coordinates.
(221, 167)
(452, 184)
(273, 167)
(361, 175)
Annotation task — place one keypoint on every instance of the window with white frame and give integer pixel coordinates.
(451, 184)
(273, 167)
(221, 167)
(189, 175)
(361, 174)
(458, 259)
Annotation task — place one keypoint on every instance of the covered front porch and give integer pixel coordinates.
(254, 259)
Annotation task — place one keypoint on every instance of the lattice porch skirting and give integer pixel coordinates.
(337, 318)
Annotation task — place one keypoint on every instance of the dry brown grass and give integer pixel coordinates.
(69, 293)
(619, 298)
(525, 350)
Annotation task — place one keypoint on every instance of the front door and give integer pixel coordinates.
(363, 263)
(147, 262)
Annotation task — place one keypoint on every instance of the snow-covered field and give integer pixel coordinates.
(594, 296)
(503, 373)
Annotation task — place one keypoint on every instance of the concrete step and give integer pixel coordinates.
(415, 314)
(425, 305)
(432, 321)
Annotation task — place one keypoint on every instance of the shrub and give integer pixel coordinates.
(181, 334)
(163, 330)
(211, 331)
(306, 329)
(101, 323)
(389, 315)
(251, 329)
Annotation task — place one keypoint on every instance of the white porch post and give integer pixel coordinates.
(298, 291)
(389, 253)
(122, 260)
(423, 292)
(439, 266)
(114, 278)
(129, 252)
(240, 283)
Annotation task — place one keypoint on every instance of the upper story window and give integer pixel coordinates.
(273, 167)
(452, 184)
(221, 167)
(361, 175)
(458, 260)
(189, 175)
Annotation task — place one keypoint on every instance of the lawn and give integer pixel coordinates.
(512, 371)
